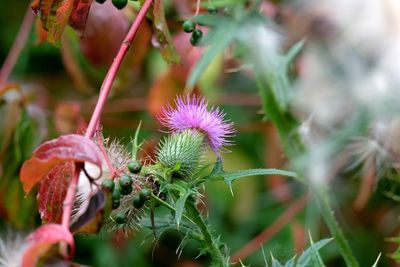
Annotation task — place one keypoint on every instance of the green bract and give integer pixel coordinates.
(181, 153)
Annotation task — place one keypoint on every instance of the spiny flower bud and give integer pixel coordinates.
(182, 150)
(192, 113)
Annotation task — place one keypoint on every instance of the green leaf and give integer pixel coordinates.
(180, 207)
(311, 254)
(219, 174)
(167, 47)
(294, 51)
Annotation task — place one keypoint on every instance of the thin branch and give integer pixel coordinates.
(272, 230)
(17, 47)
(104, 92)
(197, 7)
(112, 72)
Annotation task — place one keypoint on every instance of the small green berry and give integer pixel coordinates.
(197, 34)
(144, 194)
(107, 185)
(116, 194)
(212, 9)
(126, 190)
(115, 203)
(194, 42)
(125, 184)
(125, 181)
(120, 218)
(100, 1)
(188, 26)
(120, 4)
(116, 198)
(135, 167)
(137, 202)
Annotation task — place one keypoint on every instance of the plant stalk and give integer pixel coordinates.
(104, 92)
(213, 244)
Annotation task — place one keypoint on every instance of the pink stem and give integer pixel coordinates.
(104, 91)
(112, 72)
(17, 46)
(197, 7)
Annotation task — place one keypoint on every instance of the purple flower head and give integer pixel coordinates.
(191, 113)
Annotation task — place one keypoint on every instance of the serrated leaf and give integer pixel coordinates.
(167, 47)
(180, 207)
(40, 242)
(219, 174)
(312, 253)
(66, 148)
(56, 14)
(52, 191)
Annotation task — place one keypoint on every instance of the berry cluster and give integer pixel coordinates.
(120, 4)
(189, 26)
(124, 187)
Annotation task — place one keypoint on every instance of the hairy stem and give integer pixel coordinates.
(104, 92)
(17, 46)
(212, 243)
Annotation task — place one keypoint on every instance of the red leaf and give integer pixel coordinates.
(79, 15)
(66, 148)
(40, 241)
(58, 20)
(102, 39)
(52, 191)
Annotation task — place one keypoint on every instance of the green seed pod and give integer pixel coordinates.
(120, 4)
(137, 202)
(135, 167)
(108, 185)
(144, 194)
(188, 26)
(120, 218)
(182, 149)
(100, 1)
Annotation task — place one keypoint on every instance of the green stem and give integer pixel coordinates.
(212, 243)
(330, 220)
(287, 126)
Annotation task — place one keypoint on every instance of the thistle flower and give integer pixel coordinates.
(191, 113)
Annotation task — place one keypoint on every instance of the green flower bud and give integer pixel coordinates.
(181, 152)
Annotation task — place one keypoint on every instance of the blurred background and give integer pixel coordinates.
(350, 47)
